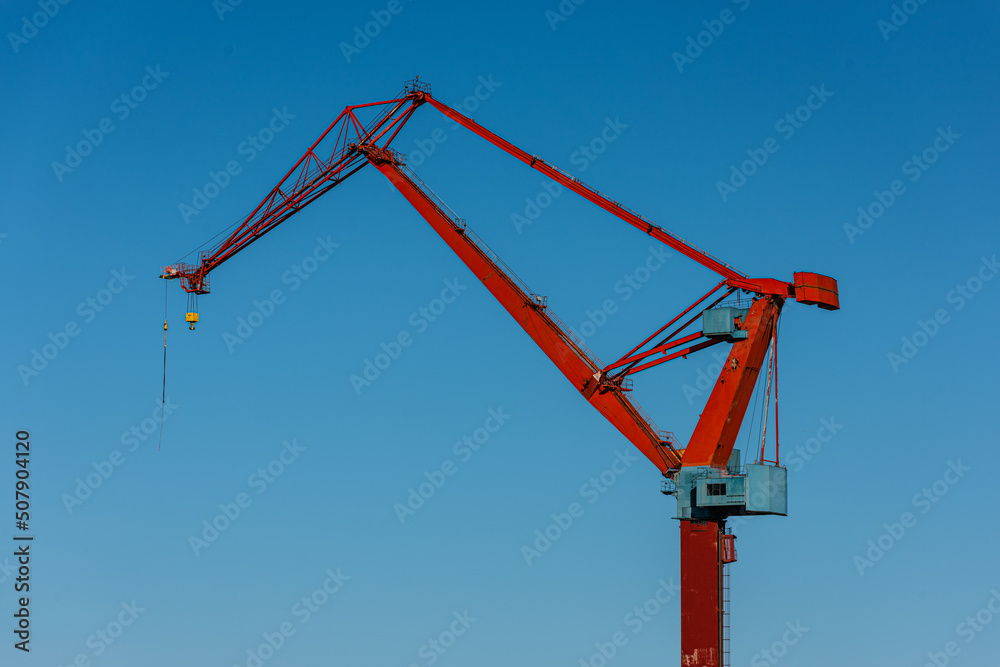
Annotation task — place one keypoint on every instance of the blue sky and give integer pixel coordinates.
(909, 443)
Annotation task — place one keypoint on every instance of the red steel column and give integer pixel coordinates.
(701, 594)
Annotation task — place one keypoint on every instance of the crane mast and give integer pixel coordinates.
(706, 476)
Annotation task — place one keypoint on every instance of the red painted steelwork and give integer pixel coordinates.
(329, 161)
(349, 144)
(590, 194)
(314, 174)
(728, 549)
(701, 594)
(660, 349)
(582, 371)
(714, 436)
(813, 288)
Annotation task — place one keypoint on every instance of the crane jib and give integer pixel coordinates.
(706, 476)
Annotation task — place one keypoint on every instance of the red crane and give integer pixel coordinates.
(706, 476)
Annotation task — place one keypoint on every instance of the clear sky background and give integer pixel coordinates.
(554, 85)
